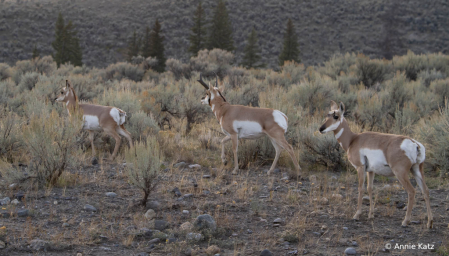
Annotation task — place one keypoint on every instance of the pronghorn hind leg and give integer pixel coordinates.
(401, 173)
(418, 173)
(223, 156)
(370, 193)
(235, 147)
(361, 174)
(121, 130)
(115, 135)
(91, 138)
(278, 149)
(289, 148)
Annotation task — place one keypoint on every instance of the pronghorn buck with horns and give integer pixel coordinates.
(379, 153)
(241, 122)
(97, 118)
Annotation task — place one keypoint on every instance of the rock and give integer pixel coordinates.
(345, 228)
(154, 241)
(278, 220)
(276, 225)
(415, 222)
(94, 160)
(350, 251)
(205, 222)
(65, 225)
(343, 241)
(142, 254)
(111, 194)
(179, 165)
(5, 201)
(22, 213)
(206, 176)
(266, 252)
(2, 245)
(150, 214)
(186, 226)
(294, 252)
(15, 202)
(19, 196)
(400, 205)
(13, 186)
(249, 231)
(317, 233)
(365, 200)
(324, 227)
(387, 186)
(185, 212)
(277, 170)
(213, 249)
(159, 224)
(90, 208)
(171, 240)
(188, 252)
(194, 166)
(312, 178)
(337, 196)
(194, 237)
(324, 200)
(104, 248)
(39, 245)
(334, 178)
(354, 243)
(177, 192)
(155, 205)
(304, 252)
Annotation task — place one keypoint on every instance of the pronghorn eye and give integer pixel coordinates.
(62, 92)
(335, 117)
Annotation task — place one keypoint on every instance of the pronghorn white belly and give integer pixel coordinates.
(91, 123)
(281, 119)
(247, 129)
(414, 150)
(119, 117)
(377, 162)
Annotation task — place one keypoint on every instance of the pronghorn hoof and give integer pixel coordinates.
(269, 173)
(430, 224)
(234, 172)
(225, 162)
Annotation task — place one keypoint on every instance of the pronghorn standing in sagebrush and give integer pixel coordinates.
(97, 118)
(383, 154)
(241, 122)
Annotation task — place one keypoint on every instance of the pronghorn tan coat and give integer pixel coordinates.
(241, 122)
(97, 118)
(383, 154)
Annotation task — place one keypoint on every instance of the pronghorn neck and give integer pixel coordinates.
(344, 135)
(72, 101)
(218, 108)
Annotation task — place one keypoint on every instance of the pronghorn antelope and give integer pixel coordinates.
(97, 118)
(241, 122)
(383, 154)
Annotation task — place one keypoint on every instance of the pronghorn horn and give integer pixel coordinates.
(216, 79)
(203, 83)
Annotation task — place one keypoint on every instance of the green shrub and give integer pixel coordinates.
(369, 113)
(216, 60)
(28, 81)
(143, 165)
(338, 65)
(10, 137)
(440, 89)
(141, 125)
(7, 91)
(5, 71)
(428, 77)
(44, 65)
(178, 69)
(371, 72)
(122, 70)
(411, 64)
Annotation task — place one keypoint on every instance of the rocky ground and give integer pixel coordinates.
(206, 211)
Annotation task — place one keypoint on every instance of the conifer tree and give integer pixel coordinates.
(35, 52)
(290, 51)
(66, 44)
(146, 46)
(220, 35)
(252, 52)
(157, 47)
(198, 36)
(133, 46)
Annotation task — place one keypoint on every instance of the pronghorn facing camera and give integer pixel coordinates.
(383, 154)
(241, 122)
(97, 118)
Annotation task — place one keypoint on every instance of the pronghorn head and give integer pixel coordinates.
(334, 117)
(212, 92)
(65, 93)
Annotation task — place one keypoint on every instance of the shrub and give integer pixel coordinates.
(251, 151)
(141, 125)
(178, 69)
(28, 81)
(122, 70)
(216, 60)
(428, 77)
(411, 64)
(397, 93)
(369, 113)
(370, 72)
(440, 89)
(339, 64)
(5, 71)
(7, 91)
(44, 65)
(10, 139)
(143, 164)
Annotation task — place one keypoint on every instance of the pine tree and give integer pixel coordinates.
(146, 46)
(133, 46)
(252, 53)
(157, 47)
(198, 36)
(66, 44)
(290, 51)
(220, 35)
(35, 52)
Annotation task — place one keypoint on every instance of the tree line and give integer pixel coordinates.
(205, 34)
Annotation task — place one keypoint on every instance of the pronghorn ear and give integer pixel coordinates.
(334, 106)
(342, 108)
(68, 84)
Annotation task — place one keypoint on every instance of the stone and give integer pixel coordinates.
(249, 231)
(278, 220)
(65, 225)
(195, 166)
(159, 224)
(354, 243)
(317, 233)
(194, 237)
(19, 196)
(94, 160)
(365, 200)
(5, 201)
(337, 196)
(142, 254)
(185, 212)
(400, 205)
(350, 251)
(13, 186)
(206, 176)
(150, 214)
(15, 202)
(155, 205)
(213, 249)
(171, 240)
(177, 192)
(324, 200)
(22, 213)
(2, 245)
(205, 222)
(111, 194)
(154, 241)
(105, 248)
(266, 252)
(179, 165)
(186, 226)
(345, 228)
(90, 208)
(39, 245)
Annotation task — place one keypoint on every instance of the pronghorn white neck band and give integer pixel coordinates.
(334, 126)
(338, 135)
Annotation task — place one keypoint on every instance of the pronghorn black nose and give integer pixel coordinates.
(322, 128)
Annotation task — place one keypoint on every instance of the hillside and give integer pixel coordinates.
(376, 28)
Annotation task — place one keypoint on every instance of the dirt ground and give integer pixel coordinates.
(314, 220)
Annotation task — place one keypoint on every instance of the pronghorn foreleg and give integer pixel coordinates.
(284, 144)
(115, 135)
(223, 156)
(235, 147)
(401, 173)
(361, 174)
(91, 138)
(121, 130)
(418, 173)
(370, 193)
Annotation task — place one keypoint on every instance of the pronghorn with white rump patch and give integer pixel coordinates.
(383, 154)
(241, 122)
(97, 118)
